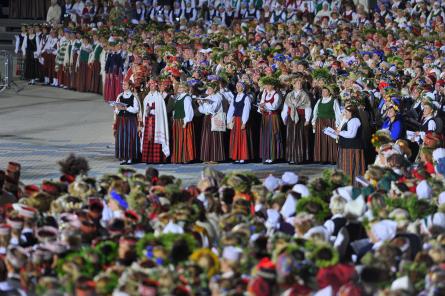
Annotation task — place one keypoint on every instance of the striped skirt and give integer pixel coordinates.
(183, 145)
(127, 146)
(19, 66)
(212, 143)
(297, 141)
(151, 152)
(271, 142)
(240, 143)
(325, 148)
(49, 66)
(94, 78)
(82, 72)
(60, 74)
(352, 163)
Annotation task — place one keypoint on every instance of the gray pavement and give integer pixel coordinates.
(42, 125)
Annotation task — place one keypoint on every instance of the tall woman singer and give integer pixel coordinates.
(127, 147)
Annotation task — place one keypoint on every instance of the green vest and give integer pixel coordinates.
(84, 55)
(179, 108)
(326, 111)
(97, 52)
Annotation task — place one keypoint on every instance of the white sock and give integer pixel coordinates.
(241, 161)
(129, 161)
(46, 80)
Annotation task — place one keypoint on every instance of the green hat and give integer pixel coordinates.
(269, 80)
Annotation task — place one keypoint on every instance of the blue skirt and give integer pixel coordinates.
(128, 145)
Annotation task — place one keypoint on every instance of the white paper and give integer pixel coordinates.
(330, 132)
(117, 104)
(410, 135)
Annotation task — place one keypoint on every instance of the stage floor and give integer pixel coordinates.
(42, 125)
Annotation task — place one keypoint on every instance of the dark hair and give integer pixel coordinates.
(353, 109)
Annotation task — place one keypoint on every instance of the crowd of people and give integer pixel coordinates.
(300, 81)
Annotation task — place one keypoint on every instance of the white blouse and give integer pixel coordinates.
(272, 105)
(188, 109)
(246, 108)
(212, 105)
(132, 109)
(352, 128)
(337, 111)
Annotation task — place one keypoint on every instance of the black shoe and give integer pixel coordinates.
(124, 162)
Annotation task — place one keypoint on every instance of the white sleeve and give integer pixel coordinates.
(275, 104)
(330, 226)
(314, 117)
(135, 107)
(284, 112)
(17, 43)
(246, 110)
(337, 111)
(118, 99)
(188, 109)
(432, 125)
(307, 113)
(145, 107)
(230, 112)
(351, 132)
(24, 45)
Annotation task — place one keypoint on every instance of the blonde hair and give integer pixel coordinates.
(337, 205)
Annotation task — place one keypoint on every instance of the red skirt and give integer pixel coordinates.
(151, 152)
(239, 142)
(325, 148)
(183, 147)
(117, 85)
(108, 92)
(212, 143)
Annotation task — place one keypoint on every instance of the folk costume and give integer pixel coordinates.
(62, 47)
(326, 114)
(183, 135)
(94, 69)
(296, 116)
(127, 142)
(82, 66)
(351, 158)
(29, 50)
(271, 141)
(240, 149)
(155, 137)
(49, 52)
(212, 142)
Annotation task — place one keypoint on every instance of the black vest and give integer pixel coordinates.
(239, 106)
(425, 125)
(129, 101)
(354, 143)
(339, 222)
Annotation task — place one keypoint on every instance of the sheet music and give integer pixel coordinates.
(329, 131)
(117, 104)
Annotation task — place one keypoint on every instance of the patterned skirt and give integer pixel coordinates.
(117, 85)
(151, 152)
(94, 80)
(49, 65)
(297, 141)
(127, 146)
(240, 143)
(19, 71)
(352, 162)
(183, 142)
(82, 72)
(212, 143)
(60, 75)
(271, 142)
(325, 148)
